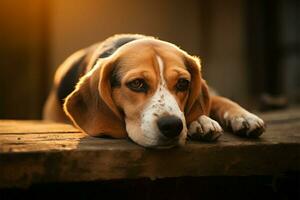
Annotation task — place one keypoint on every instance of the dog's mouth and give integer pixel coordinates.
(167, 143)
(171, 132)
(162, 133)
(169, 146)
(159, 143)
(164, 146)
(162, 142)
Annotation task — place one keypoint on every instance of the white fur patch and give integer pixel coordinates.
(225, 116)
(203, 126)
(160, 104)
(249, 120)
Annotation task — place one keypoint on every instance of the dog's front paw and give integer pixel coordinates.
(205, 128)
(248, 125)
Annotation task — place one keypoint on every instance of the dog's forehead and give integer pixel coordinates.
(144, 53)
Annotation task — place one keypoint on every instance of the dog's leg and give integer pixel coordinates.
(205, 128)
(235, 118)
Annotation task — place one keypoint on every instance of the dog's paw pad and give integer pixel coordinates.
(205, 129)
(248, 125)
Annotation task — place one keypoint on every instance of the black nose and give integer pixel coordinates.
(170, 126)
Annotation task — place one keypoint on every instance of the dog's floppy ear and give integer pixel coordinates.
(90, 105)
(198, 102)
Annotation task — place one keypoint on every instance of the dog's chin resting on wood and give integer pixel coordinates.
(146, 89)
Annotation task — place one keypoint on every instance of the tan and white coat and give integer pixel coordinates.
(128, 83)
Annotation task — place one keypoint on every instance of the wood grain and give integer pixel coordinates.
(38, 151)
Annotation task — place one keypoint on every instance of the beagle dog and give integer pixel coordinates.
(146, 89)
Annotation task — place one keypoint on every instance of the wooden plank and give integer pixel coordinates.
(34, 126)
(38, 152)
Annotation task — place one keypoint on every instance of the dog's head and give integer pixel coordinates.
(148, 89)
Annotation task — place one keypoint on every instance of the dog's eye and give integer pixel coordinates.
(182, 85)
(138, 85)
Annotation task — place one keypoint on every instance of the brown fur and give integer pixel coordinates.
(98, 109)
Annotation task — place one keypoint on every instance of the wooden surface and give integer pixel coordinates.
(37, 152)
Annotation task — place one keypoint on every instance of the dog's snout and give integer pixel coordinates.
(170, 126)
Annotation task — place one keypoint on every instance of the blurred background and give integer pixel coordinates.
(250, 49)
